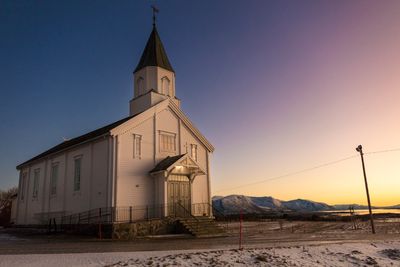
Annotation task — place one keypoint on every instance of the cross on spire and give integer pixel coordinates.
(155, 10)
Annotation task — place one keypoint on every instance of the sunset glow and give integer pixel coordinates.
(277, 87)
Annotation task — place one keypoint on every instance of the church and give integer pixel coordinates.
(155, 157)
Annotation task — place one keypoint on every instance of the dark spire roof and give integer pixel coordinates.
(154, 53)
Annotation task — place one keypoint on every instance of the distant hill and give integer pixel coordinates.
(235, 204)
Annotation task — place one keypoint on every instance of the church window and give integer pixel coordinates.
(53, 179)
(23, 182)
(193, 151)
(77, 173)
(137, 146)
(140, 86)
(167, 142)
(165, 86)
(36, 176)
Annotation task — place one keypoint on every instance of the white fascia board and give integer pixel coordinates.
(138, 119)
(191, 126)
(186, 156)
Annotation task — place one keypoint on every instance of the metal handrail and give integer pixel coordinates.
(225, 218)
(126, 214)
(190, 214)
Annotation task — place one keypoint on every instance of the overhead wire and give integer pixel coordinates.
(306, 170)
(382, 151)
(291, 173)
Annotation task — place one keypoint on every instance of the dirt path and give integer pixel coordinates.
(256, 234)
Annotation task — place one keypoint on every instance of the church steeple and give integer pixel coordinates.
(154, 77)
(154, 53)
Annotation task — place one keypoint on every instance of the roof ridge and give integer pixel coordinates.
(78, 140)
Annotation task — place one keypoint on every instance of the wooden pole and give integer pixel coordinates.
(240, 230)
(359, 149)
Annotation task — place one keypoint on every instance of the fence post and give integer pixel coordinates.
(130, 214)
(55, 225)
(240, 230)
(113, 214)
(100, 223)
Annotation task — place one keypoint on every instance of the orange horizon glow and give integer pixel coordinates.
(321, 185)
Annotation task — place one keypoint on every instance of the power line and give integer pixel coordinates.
(382, 151)
(291, 173)
(307, 169)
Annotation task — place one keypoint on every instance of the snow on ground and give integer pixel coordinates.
(347, 254)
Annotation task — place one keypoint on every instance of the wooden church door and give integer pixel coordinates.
(179, 202)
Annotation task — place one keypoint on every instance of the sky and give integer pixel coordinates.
(276, 86)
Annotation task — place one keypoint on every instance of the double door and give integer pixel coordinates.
(179, 202)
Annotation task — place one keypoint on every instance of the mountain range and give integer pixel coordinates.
(234, 204)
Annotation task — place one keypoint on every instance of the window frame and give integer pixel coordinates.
(23, 185)
(164, 136)
(140, 86)
(77, 176)
(165, 86)
(194, 148)
(137, 147)
(36, 178)
(54, 178)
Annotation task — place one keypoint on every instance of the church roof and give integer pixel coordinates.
(154, 53)
(77, 140)
(166, 163)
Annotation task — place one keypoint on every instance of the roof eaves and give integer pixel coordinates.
(79, 140)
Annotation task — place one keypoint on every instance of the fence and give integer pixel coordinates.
(108, 215)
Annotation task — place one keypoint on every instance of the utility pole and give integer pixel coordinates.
(359, 149)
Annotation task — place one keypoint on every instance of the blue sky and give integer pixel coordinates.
(276, 86)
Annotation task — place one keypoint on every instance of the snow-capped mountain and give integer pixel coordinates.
(306, 205)
(235, 204)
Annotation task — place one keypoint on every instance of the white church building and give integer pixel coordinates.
(154, 157)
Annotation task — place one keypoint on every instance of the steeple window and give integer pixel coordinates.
(165, 88)
(140, 86)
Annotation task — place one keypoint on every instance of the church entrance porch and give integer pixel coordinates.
(174, 177)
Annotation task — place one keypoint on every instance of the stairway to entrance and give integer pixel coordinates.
(202, 227)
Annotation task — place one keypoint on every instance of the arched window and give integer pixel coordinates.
(165, 86)
(140, 86)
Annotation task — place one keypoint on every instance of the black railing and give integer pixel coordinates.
(201, 209)
(109, 215)
(220, 216)
(131, 214)
(114, 215)
(187, 214)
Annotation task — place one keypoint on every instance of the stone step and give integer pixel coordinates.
(203, 227)
(194, 225)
